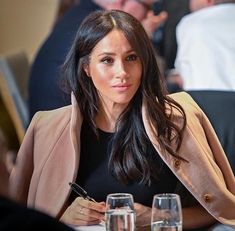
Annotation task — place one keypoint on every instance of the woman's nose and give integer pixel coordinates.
(121, 71)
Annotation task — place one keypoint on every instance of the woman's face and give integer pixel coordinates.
(115, 69)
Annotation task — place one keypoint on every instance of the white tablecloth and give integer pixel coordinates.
(90, 228)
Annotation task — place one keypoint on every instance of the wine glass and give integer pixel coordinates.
(120, 214)
(166, 213)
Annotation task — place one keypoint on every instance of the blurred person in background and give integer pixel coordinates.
(165, 37)
(44, 82)
(64, 6)
(206, 48)
(14, 216)
(9, 139)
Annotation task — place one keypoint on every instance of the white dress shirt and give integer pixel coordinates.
(206, 48)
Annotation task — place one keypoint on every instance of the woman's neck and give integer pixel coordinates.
(107, 117)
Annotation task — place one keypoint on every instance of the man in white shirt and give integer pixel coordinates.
(205, 57)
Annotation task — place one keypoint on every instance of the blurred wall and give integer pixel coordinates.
(24, 24)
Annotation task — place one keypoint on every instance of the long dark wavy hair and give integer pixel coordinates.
(129, 158)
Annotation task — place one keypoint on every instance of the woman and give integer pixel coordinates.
(122, 133)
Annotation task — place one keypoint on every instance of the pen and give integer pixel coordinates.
(83, 193)
(80, 191)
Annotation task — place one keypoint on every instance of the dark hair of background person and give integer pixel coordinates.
(135, 142)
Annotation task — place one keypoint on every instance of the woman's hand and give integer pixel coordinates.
(84, 212)
(143, 215)
(196, 217)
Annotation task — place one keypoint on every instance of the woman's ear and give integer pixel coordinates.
(86, 69)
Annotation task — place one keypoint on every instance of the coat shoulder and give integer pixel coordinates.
(51, 123)
(54, 117)
(186, 101)
(182, 97)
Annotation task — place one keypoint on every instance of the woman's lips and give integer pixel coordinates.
(122, 87)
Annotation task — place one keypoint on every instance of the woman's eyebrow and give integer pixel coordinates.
(106, 53)
(113, 53)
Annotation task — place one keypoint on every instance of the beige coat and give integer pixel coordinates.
(49, 159)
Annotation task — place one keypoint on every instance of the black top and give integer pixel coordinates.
(94, 177)
(16, 217)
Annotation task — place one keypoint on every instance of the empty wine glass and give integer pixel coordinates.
(166, 213)
(120, 214)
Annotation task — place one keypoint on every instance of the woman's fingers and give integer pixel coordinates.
(90, 213)
(99, 207)
(84, 212)
(143, 214)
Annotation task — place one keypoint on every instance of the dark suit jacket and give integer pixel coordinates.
(44, 89)
(219, 106)
(16, 217)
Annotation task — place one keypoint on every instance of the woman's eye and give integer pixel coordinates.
(107, 60)
(132, 57)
